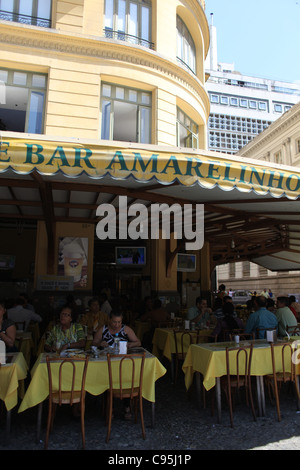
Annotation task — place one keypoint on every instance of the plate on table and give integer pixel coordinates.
(73, 353)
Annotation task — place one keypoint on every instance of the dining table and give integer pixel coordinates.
(12, 375)
(163, 342)
(97, 380)
(209, 360)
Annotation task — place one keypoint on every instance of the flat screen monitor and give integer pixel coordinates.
(130, 256)
(7, 261)
(186, 262)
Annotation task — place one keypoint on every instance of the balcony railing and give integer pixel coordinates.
(25, 19)
(122, 36)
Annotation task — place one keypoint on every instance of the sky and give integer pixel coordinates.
(261, 37)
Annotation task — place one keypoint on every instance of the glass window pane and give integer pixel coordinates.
(132, 95)
(20, 78)
(132, 24)
(13, 111)
(35, 119)
(7, 5)
(121, 15)
(106, 90)
(125, 122)
(145, 127)
(25, 7)
(145, 24)
(109, 13)
(120, 93)
(44, 9)
(145, 98)
(3, 76)
(39, 81)
(105, 128)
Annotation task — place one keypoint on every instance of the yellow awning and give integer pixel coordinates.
(120, 162)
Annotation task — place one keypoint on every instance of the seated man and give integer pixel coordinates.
(261, 318)
(284, 316)
(200, 313)
(18, 314)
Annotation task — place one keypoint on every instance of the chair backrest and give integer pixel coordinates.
(287, 362)
(131, 377)
(67, 362)
(293, 330)
(264, 330)
(245, 352)
(181, 337)
(203, 337)
(243, 336)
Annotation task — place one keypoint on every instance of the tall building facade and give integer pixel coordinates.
(255, 118)
(242, 106)
(108, 73)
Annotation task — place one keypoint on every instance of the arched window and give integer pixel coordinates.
(186, 51)
(129, 20)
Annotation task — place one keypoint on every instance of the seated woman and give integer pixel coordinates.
(67, 333)
(228, 323)
(94, 318)
(105, 336)
(7, 330)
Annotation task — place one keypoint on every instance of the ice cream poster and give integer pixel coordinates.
(73, 259)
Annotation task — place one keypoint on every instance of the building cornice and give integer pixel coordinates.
(277, 127)
(96, 47)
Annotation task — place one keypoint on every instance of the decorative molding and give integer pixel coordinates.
(102, 48)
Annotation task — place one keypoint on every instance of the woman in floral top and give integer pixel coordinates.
(68, 334)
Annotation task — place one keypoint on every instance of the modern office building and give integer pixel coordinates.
(257, 118)
(242, 106)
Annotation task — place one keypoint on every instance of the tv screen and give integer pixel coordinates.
(186, 262)
(7, 261)
(130, 256)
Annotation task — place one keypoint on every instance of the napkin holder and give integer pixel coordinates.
(123, 347)
(2, 352)
(186, 324)
(271, 336)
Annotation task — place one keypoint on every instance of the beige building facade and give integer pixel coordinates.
(102, 72)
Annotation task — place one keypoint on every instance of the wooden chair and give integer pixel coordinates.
(278, 378)
(180, 351)
(265, 331)
(118, 389)
(205, 338)
(66, 397)
(243, 336)
(239, 378)
(293, 330)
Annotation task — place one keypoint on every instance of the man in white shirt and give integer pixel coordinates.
(105, 306)
(19, 314)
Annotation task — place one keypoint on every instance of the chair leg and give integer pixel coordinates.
(48, 425)
(82, 423)
(110, 403)
(142, 417)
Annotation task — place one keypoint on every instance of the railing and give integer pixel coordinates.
(185, 65)
(25, 19)
(122, 36)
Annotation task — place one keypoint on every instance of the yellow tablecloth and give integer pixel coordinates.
(96, 380)
(10, 376)
(163, 340)
(210, 360)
